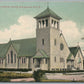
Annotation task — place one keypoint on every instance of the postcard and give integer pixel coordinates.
(41, 41)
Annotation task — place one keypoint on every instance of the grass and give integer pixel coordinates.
(4, 80)
(14, 75)
(56, 80)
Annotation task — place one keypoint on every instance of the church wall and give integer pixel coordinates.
(23, 65)
(44, 66)
(76, 64)
(11, 65)
(2, 65)
(56, 52)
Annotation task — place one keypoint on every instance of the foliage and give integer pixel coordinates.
(23, 70)
(38, 75)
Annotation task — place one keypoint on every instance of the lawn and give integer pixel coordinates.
(6, 76)
(56, 80)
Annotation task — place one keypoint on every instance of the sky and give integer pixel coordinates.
(17, 22)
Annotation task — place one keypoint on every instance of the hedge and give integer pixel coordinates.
(13, 75)
(66, 71)
(23, 70)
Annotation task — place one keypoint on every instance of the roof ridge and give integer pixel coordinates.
(22, 39)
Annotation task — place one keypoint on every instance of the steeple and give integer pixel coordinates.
(47, 13)
(48, 19)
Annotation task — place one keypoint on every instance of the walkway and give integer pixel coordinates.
(23, 79)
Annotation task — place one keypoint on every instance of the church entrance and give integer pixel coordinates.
(38, 63)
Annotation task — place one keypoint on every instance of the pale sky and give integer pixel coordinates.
(18, 23)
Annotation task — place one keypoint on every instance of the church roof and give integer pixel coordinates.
(24, 47)
(74, 50)
(41, 54)
(46, 13)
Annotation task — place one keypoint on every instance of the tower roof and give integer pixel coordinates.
(46, 13)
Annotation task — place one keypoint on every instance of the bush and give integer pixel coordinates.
(23, 70)
(38, 75)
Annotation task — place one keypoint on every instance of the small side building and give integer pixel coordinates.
(75, 59)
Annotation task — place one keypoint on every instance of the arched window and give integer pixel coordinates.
(33, 60)
(2, 61)
(61, 46)
(54, 59)
(46, 23)
(39, 24)
(54, 41)
(46, 61)
(43, 22)
(8, 58)
(42, 41)
(14, 58)
(11, 56)
(24, 60)
(54, 23)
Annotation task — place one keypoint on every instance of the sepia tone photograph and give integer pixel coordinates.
(41, 41)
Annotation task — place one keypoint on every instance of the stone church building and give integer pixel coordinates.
(48, 51)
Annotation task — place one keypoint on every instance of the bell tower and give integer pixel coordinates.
(45, 21)
(50, 40)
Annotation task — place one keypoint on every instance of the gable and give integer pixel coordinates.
(74, 51)
(41, 54)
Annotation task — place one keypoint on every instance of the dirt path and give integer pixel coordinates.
(22, 79)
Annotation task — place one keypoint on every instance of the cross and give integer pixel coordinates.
(47, 4)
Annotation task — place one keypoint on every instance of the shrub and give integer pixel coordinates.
(38, 75)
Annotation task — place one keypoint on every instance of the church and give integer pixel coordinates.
(48, 51)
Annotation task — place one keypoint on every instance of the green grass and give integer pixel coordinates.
(14, 75)
(4, 80)
(55, 80)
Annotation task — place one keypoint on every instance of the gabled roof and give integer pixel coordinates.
(41, 54)
(3, 49)
(46, 13)
(69, 57)
(74, 50)
(24, 47)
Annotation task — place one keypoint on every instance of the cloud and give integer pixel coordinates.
(25, 28)
(70, 32)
